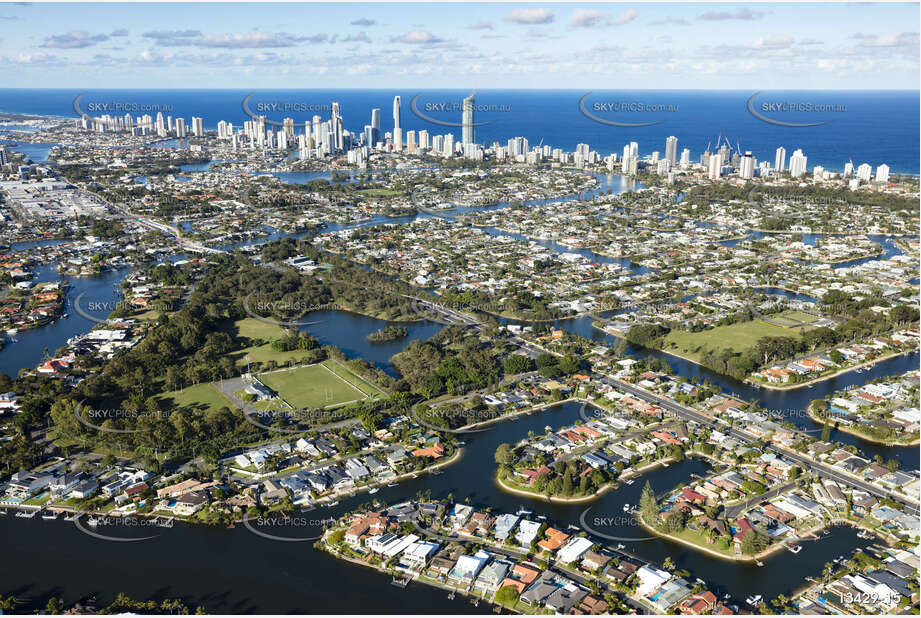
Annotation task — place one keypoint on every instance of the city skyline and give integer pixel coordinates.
(716, 46)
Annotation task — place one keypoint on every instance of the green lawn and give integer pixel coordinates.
(792, 318)
(736, 337)
(312, 387)
(252, 328)
(200, 397)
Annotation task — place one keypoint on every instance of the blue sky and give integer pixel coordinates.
(460, 45)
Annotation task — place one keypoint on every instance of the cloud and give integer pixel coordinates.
(248, 40)
(29, 58)
(119, 32)
(530, 16)
(810, 42)
(8, 17)
(251, 40)
(417, 37)
(773, 42)
(670, 21)
(173, 38)
(75, 39)
(481, 25)
(364, 21)
(361, 37)
(741, 14)
(584, 18)
(900, 39)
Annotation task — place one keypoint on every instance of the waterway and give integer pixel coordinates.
(236, 571)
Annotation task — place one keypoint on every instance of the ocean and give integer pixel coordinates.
(864, 127)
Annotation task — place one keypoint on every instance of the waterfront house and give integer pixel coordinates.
(555, 539)
(492, 576)
(574, 550)
(468, 567)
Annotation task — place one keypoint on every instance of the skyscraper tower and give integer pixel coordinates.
(780, 159)
(671, 149)
(397, 130)
(467, 135)
(375, 126)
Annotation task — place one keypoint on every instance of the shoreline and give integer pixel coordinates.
(829, 376)
(846, 429)
(617, 484)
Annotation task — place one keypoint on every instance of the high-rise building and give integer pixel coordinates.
(797, 163)
(848, 169)
(882, 173)
(780, 159)
(411, 139)
(715, 165)
(634, 150)
(180, 127)
(288, 124)
(625, 160)
(685, 157)
(375, 126)
(467, 134)
(864, 172)
(747, 165)
(424, 139)
(396, 113)
(198, 126)
(671, 149)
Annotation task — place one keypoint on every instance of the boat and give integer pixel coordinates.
(629, 481)
(92, 521)
(375, 490)
(795, 549)
(26, 514)
(49, 515)
(523, 512)
(11, 332)
(626, 508)
(753, 600)
(621, 546)
(332, 504)
(664, 464)
(392, 484)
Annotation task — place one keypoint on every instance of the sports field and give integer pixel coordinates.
(317, 386)
(736, 337)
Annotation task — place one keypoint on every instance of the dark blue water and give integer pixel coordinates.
(877, 127)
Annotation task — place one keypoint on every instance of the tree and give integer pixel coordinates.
(54, 606)
(505, 456)
(648, 507)
(507, 595)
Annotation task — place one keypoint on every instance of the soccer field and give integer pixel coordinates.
(314, 386)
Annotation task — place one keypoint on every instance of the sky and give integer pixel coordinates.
(460, 45)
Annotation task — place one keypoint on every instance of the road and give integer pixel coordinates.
(805, 462)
